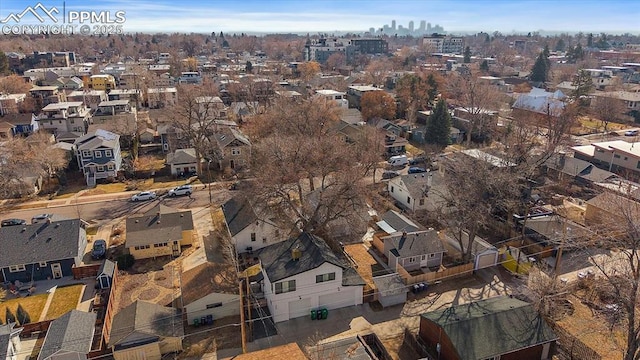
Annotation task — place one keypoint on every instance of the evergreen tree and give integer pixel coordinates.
(540, 70)
(249, 67)
(23, 315)
(438, 126)
(8, 315)
(583, 86)
(433, 89)
(467, 55)
(590, 40)
(560, 45)
(484, 66)
(4, 64)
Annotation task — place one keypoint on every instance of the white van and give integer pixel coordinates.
(399, 160)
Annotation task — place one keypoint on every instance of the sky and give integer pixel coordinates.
(268, 16)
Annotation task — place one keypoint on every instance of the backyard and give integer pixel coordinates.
(32, 305)
(64, 300)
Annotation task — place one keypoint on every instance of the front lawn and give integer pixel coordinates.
(64, 300)
(32, 305)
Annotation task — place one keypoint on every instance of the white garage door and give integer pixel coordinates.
(299, 308)
(336, 300)
(485, 260)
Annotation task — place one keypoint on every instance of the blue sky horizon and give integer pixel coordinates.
(255, 16)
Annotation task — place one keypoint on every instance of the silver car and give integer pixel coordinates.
(184, 190)
(144, 196)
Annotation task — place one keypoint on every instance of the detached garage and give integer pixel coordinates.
(485, 255)
(391, 290)
(298, 308)
(337, 300)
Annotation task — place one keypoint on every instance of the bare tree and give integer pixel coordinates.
(607, 109)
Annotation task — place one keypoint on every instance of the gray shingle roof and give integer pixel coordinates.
(238, 213)
(350, 277)
(416, 184)
(227, 136)
(399, 222)
(277, 262)
(33, 243)
(417, 243)
(99, 138)
(107, 268)
(494, 326)
(148, 319)
(72, 332)
(182, 156)
(577, 167)
(158, 225)
(6, 331)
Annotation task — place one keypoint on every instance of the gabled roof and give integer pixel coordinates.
(27, 244)
(145, 318)
(238, 214)
(18, 119)
(182, 156)
(578, 168)
(158, 225)
(227, 136)
(416, 184)
(278, 264)
(540, 101)
(7, 331)
(72, 332)
(107, 268)
(208, 278)
(396, 222)
(415, 243)
(96, 139)
(490, 327)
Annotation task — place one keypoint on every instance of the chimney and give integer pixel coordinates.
(296, 253)
(562, 157)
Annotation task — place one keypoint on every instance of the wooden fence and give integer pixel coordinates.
(31, 328)
(87, 271)
(571, 348)
(432, 277)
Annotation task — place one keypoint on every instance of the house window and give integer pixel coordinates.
(98, 154)
(626, 158)
(285, 286)
(86, 153)
(72, 121)
(100, 168)
(253, 236)
(432, 255)
(421, 202)
(392, 189)
(424, 257)
(408, 200)
(142, 247)
(638, 165)
(108, 153)
(616, 156)
(325, 277)
(211, 306)
(160, 245)
(16, 268)
(235, 151)
(42, 263)
(264, 240)
(110, 167)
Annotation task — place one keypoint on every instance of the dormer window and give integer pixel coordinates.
(86, 153)
(108, 153)
(98, 154)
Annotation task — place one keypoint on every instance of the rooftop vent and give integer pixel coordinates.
(296, 253)
(137, 221)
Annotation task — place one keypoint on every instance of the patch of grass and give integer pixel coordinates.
(33, 305)
(414, 151)
(64, 300)
(106, 189)
(92, 230)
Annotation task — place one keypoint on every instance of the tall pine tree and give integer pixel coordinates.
(467, 55)
(439, 124)
(540, 70)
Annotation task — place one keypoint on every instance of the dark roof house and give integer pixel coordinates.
(158, 225)
(143, 322)
(69, 335)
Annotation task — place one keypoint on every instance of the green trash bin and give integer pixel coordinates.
(196, 322)
(325, 313)
(313, 314)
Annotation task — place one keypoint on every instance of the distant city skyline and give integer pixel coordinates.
(289, 16)
(425, 28)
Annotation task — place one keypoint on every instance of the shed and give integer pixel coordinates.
(391, 290)
(105, 274)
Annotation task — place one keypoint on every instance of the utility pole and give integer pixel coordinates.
(243, 331)
(249, 308)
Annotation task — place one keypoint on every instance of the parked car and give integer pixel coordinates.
(390, 174)
(41, 218)
(399, 160)
(183, 190)
(631, 133)
(144, 196)
(416, 170)
(13, 222)
(99, 250)
(418, 160)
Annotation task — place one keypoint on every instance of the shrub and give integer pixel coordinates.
(125, 261)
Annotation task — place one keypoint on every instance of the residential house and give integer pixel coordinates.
(45, 95)
(630, 100)
(618, 156)
(249, 229)
(540, 103)
(438, 43)
(210, 107)
(485, 125)
(90, 98)
(410, 191)
(363, 346)
(484, 254)
(10, 344)
(419, 134)
(391, 290)
(303, 273)
(337, 97)
(134, 96)
(210, 289)
(493, 328)
(69, 336)
(145, 330)
(190, 77)
(414, 250)
(158, 98)
(147, 136)
(183, 161)
(234, 147)
(68, 83)
(103, 82)
(562, 167)
(612, 210)
(25, 124)
(64, 117)
(394, 144)
(116, 116)
(7, 130)
(498, 83)
(355, 93)
(106, 273)
(41, 251)
(10, 103)
(98, 155)
(161, 231)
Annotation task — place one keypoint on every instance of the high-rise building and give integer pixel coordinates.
(423, 26)
(393, 25)
(410, 26)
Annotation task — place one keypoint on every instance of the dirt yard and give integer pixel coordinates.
(204, 339)
(150, 280)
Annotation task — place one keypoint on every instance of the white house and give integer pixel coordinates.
(10, 344)
(302, 274)
(162, 97)
(410, 190)
(182, 161)
(210, 289)
(64, 117)
(248, 230)
(339, 98)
